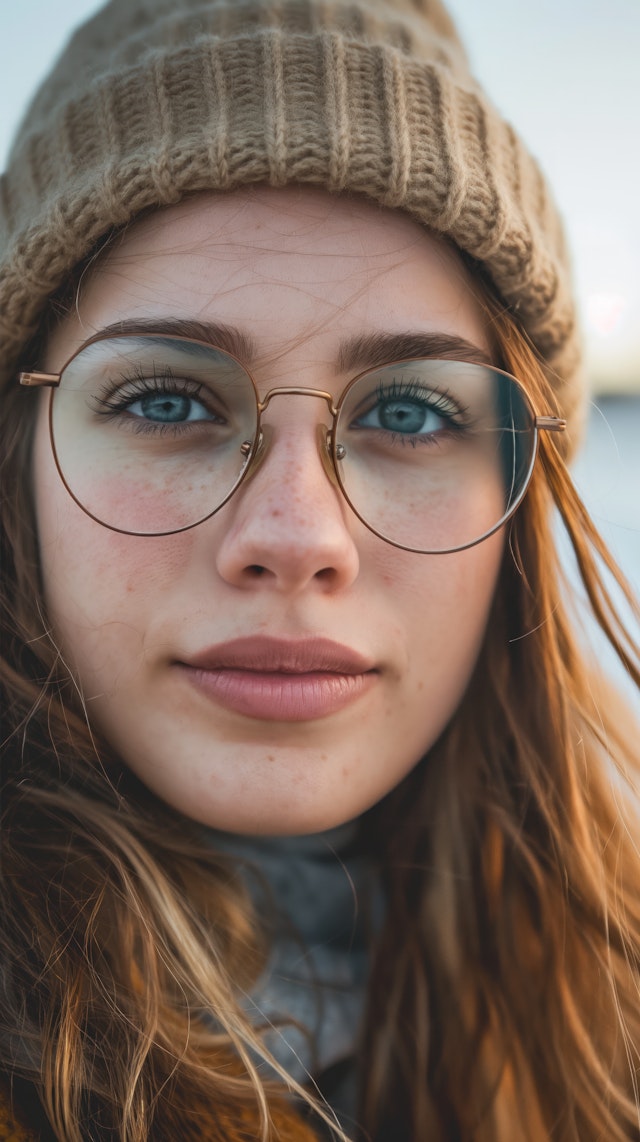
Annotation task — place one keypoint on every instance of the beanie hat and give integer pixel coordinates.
(155, 99)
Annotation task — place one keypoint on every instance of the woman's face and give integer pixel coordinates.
(278, 668)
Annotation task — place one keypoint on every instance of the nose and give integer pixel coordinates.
(289, 527)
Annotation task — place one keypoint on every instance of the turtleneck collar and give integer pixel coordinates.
(317, 899)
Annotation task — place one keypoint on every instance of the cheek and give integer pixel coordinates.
(101, 588)
(443, 613)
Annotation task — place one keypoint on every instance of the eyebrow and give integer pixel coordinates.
(219, 336)
(373, 349)
(366, 351)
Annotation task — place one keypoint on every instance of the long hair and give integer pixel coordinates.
(126, 943)
(503, 1004)
(505, 999)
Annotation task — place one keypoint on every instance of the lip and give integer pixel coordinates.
(275, 679)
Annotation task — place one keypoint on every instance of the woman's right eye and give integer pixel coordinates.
(162, 400)
(169, 408)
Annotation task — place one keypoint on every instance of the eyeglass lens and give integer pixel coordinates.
(149, 431)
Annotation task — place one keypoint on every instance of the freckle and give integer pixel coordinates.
(276, 513)
(345, 771)
(420, 685)
(271, 757)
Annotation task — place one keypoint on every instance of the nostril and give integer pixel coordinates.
(256, 570)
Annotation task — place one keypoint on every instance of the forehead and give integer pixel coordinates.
(291, 266)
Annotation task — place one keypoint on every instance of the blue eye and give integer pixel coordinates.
(409, 411)
(168, 408)
(405, 415)
(150, 401)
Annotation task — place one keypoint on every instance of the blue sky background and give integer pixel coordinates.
(565, 72)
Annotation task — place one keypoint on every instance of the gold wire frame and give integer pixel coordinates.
(254, 451)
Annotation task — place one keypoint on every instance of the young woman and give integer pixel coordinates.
(315, 822)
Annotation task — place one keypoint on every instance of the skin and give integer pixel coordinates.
(300, 272)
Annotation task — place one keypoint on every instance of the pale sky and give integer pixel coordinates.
(565, 72)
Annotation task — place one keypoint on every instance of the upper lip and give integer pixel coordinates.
(282, 656)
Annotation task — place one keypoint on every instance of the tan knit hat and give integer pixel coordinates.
(154, 99)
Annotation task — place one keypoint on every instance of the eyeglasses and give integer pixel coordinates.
(152, 434)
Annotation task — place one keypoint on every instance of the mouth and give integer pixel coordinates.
(279, 680)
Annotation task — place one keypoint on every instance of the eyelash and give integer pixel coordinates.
(112, 402)
(439, 401)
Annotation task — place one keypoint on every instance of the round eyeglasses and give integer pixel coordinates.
(153, 433)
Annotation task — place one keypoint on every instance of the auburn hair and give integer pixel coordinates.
(503, 1003)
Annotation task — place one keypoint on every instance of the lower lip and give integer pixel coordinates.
(281, 697)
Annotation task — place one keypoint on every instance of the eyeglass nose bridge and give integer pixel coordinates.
(298, 392)
(256, 451)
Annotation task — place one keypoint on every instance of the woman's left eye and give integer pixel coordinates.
(169, 408)
(406, 415)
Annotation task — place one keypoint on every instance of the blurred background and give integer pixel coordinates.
(566, 73)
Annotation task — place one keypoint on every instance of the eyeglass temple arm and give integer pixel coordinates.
(550, 423)
(32, 380)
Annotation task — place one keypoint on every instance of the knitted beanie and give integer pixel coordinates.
(155, 99)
